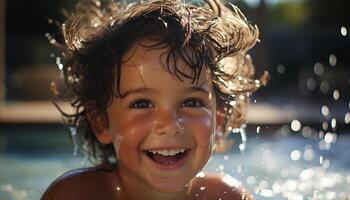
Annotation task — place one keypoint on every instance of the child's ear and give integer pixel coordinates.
(99, 125)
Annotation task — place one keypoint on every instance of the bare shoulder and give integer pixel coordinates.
(214, 186)
(85, 183)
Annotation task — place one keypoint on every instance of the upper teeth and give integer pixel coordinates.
(168, 152)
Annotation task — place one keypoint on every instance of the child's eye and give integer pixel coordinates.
(192, 103)
(141, 104)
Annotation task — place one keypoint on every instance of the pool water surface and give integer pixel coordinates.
(272, 166)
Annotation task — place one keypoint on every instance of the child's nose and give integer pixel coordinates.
(169, 123)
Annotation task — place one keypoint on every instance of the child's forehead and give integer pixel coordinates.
(152, 54)
(150, 50)
(144, 64)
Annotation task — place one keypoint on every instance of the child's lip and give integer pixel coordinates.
(173, 147)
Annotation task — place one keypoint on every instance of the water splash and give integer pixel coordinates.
(73, 133)
(242, 132)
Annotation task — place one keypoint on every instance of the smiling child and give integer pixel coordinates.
(154, 85)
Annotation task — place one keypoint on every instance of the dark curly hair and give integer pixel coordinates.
(97, 34)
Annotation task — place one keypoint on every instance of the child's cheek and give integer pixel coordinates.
(133, 129)
(201, 128)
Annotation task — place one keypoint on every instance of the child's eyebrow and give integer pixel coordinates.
(197, 89)
(150, 90)
(137, 90)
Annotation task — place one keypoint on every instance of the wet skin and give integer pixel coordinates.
(156, 112)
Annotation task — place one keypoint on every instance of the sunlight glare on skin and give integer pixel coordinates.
(231, 181)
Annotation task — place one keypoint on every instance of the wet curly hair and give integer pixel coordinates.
(97, 34)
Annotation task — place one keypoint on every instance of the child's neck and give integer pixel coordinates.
(129, 187)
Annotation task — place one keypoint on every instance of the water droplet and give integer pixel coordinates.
(226, 157)
(52, 41)
(325, 110)
(98, 3)
(258, 129)
(347, 118)
(58, 63)
(318, 69)
(329, 137)
(118, 188)
(321, 160)
(326, 163)
(264, 184)
(251, 180)
(324, 125)
(332, 60)
(200, 175)
(281, 69)
(221, 167)
(320, 134)
(73, 133)
(295, 125)
(308, 154)
(232, 103)
(202, 188)
(50, 21)
(306, 131)
(306, 174)
(295, 155)
(276, 187)
(311, 84)
(324, 87)
(335, 94)
(334, 123)
(343, 31)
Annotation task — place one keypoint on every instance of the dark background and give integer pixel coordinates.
(295, 34)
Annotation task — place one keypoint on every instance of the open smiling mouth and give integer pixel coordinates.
(167, 157)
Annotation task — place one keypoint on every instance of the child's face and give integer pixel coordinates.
(161, 115)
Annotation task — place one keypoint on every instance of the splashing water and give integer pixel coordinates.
(73, 133)
(242, 132)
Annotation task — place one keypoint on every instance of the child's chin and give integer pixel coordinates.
(169, 187)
